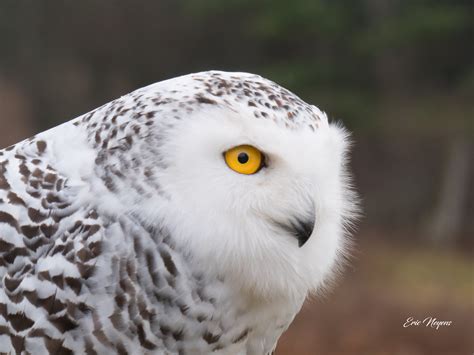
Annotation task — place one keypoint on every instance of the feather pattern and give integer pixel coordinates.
(86, 266)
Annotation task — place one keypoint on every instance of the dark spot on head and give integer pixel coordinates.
(205, 100)
(150, 114)
(41, 145)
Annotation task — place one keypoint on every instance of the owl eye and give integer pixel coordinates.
(244, 159)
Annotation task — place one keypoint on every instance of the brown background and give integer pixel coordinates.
(398, 73)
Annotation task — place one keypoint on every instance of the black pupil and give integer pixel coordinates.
(243, 158)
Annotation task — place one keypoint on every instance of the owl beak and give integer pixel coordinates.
(300, 227)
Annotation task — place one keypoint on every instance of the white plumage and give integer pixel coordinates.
(125, 230)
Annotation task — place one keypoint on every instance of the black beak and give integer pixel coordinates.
(300, 228)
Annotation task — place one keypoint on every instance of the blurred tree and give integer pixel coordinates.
(447, 217)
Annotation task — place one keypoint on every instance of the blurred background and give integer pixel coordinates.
(399, 74)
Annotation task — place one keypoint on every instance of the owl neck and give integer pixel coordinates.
(183, 302)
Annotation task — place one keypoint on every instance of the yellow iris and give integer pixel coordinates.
(244, 159)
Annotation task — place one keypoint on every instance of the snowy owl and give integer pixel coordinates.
(191, 216)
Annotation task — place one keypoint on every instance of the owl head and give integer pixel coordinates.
(249, 180)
